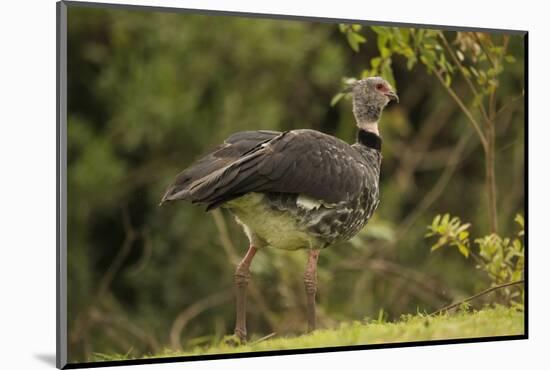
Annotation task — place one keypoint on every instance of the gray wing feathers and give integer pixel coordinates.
(219, 158)
(300, 161)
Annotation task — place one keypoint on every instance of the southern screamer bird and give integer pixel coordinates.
(299, 189)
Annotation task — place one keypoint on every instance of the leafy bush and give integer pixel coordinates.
(501, 258)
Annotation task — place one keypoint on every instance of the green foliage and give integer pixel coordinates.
(502, 259)
(482, 55)
(451, 232)
(476, 55)
(413, 45)
(352, 32)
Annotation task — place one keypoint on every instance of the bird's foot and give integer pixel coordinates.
(234, 340)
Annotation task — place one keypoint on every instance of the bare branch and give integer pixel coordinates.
(464, 109)
(486, 291)
(191, 312)
(468, 80)
(438, 188)
(113, 269)
(264, 338)
(508, 104)
(480, 42)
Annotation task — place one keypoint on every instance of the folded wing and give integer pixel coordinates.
(300, 161)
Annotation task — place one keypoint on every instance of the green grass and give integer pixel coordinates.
(498, 321)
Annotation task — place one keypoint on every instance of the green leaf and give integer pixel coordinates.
(447, 79)
(519, 219)
(405, 33)
(381, 42)
(435, 222)
(375, 62)
(463, 249)
(380, 30)
(367, 73)
(411, 62)
(510, 59)
(360, 38)
(352, 41)
(463, 227)
(463, 235)
(336, 98)
(387, 73)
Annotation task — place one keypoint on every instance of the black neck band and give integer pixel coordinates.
(369, 139)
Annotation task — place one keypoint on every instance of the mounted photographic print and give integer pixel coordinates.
(235, 184)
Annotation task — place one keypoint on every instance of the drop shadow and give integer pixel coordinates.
(47, 358)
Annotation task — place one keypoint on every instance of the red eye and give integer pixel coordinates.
(379, 87)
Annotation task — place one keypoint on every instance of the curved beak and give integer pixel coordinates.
(392, 96)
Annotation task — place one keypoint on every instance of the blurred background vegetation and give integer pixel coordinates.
(149, 92)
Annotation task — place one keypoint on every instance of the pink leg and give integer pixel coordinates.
(242, 276)
(310, 282)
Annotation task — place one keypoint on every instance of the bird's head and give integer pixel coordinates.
(370, 96)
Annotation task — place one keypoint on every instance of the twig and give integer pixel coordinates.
(464, 109)
(120, 257)
(418, 283)
(461, 68)
(486, 291)
(225, 240)
(264, 338)
(508, 104)
(489, 58)
(109, 320)
(415, 288)
(416, 153)
(145, 255)
(191, 312)
(438, 188)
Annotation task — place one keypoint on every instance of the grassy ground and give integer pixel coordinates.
(489, 322)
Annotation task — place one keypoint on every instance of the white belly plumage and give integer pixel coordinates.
(267, 227)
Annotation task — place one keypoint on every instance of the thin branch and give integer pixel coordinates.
(264, 338)
(492, 102)
(111, 320)
(191, 312)
(438, 188)
(489, 58)
(225, 240)
(464, 109)
(413, 277)
(415, 285)
(461, 68)
(145, 255)
(437, 159)
(480, 294)
(508, 104)
(416, 153)
(120, 257)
